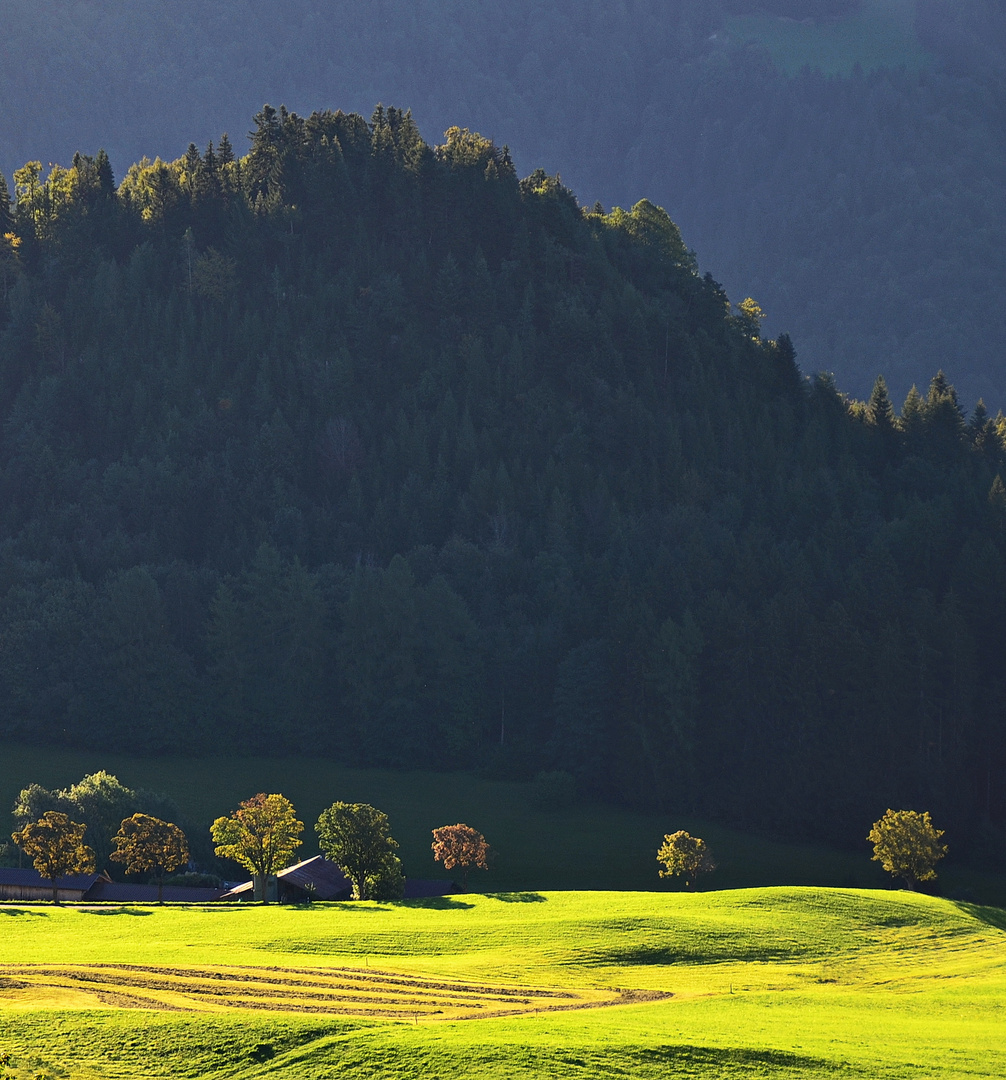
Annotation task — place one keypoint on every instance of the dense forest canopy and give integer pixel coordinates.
(863, 210)
(360, 446)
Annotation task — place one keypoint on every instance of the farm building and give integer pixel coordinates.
(316, 878)
(17, 884)
(320, 879)
(124, 892)
(29, 885)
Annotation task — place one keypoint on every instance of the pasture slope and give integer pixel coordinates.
(780, 982)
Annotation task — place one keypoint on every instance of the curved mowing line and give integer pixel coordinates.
(336, 991)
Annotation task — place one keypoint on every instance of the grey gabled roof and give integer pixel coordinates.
(124, 892)
(12, 875)
(327, 879)
(318, 874)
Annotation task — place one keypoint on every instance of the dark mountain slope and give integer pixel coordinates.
(863, 210)
(365, 447)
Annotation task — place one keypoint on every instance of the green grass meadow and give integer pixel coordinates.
(880, 34)
(783, 982)
(807, 978)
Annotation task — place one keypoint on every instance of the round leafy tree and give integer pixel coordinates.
(55, 844)
(357, 837)
(686, 856)
(460, 845)
(148, 845)
(907, 845)
(261, 835)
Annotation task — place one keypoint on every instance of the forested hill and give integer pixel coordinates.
(361, 447)
(839, 160)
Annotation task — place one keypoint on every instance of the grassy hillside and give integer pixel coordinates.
(772, 982)
(881, 34)
(585, 846)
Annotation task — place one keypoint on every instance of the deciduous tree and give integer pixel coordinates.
(357, 837)
(55, 844)
(907, 845)
(261, 835)
(460, 845)
(684, 855)
(100, 800)
(147, 845)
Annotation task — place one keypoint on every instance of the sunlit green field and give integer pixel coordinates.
(747, 983)
(880, 34)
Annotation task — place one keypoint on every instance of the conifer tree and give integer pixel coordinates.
(6, 215)
(225, 152)
(106, 179)
(880, 410)
(913, 414)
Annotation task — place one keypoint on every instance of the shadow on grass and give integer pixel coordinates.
(24, 911)
(660, 955)
(518, 897)
(991, 916)
(112, 911)
(735, 1060)
(438, 903)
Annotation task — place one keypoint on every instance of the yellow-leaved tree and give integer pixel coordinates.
(261, 835)
(149, 845)
(907, 845)
(55, 844)
(684, 855)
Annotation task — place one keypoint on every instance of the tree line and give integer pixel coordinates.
(261, 836)
(905, 843)
(365, 447)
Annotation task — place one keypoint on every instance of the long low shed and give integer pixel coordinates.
(29, 885)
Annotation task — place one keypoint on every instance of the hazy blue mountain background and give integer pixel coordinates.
(859, 199)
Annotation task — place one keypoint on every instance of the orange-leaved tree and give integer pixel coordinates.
(686, 856)
(261, 835)
(460, 845)
(55, 844)
(147, 844)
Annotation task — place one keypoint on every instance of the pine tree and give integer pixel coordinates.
(880, 412)
(913, 414)
(786, 358)
(6, 215)
(225, 152)
(106, 179)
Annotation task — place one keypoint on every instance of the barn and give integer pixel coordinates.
(29, 886)
(317, 879)
(18, 884)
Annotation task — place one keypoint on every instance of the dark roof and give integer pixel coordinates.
(325, 877)
(127, 893)
(318, 874)
(12, 875)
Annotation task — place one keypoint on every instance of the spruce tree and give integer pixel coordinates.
(106, 179)
(880, 410)
(6, 216)
(225, 152)
(913, 416)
